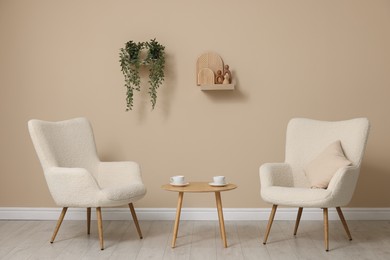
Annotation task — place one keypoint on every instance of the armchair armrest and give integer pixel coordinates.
(343, 184)
(71, 186)
(118, 173)
(276, 174)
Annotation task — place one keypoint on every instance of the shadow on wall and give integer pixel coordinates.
(372, 185)
(235, 96)
(169, 85)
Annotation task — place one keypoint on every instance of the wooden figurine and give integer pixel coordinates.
(219, 78)
(227, 71)
(226, 79)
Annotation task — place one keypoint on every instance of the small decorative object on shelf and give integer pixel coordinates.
(206, 76)
(226, 79)
(229, 74)
(219, 78)
(130, 61)
(212, 74)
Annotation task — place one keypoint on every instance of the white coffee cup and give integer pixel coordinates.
(219, 180)
(179, 179)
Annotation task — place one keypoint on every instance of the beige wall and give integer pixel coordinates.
(328, 60)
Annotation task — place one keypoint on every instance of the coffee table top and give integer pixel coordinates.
(199, 187)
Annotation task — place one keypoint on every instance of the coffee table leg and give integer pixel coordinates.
(177, 220)
(220, 217)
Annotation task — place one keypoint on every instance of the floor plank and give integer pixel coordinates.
(278, 245)
(183, 242)
(196, 240)
(13, 243)
(234, 250)
(154, 245)
(130, 244)
(251, 239)
(302, 245)
(204, 237)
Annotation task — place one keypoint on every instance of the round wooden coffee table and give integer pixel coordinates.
(197, 187)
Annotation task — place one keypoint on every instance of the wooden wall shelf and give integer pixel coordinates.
(211, 73)
(217, 87)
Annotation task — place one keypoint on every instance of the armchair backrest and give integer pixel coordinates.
(306, 138)
(67, 143)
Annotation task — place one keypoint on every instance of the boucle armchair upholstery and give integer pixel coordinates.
(286, 183)
(75, 175)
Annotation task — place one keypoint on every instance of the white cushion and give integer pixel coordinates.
(296, 197)
(124, 192)
(321, 170)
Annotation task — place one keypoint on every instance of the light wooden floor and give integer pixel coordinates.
(196, 240)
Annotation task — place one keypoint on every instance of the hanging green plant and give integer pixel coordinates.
(131, 62)
(156, 61)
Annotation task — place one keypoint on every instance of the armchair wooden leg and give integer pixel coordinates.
(135, 219)
(326, 229)
(88, 221)
(297, 221)
(344, 222)
(271, 219)
(100, 226)
(59, 222)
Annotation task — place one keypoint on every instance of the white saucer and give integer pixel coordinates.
(217, 185)
(179, 185)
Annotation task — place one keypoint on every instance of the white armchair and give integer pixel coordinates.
(287, 184)
(75, 175)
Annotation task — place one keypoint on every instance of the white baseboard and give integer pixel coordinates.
(13, 213)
